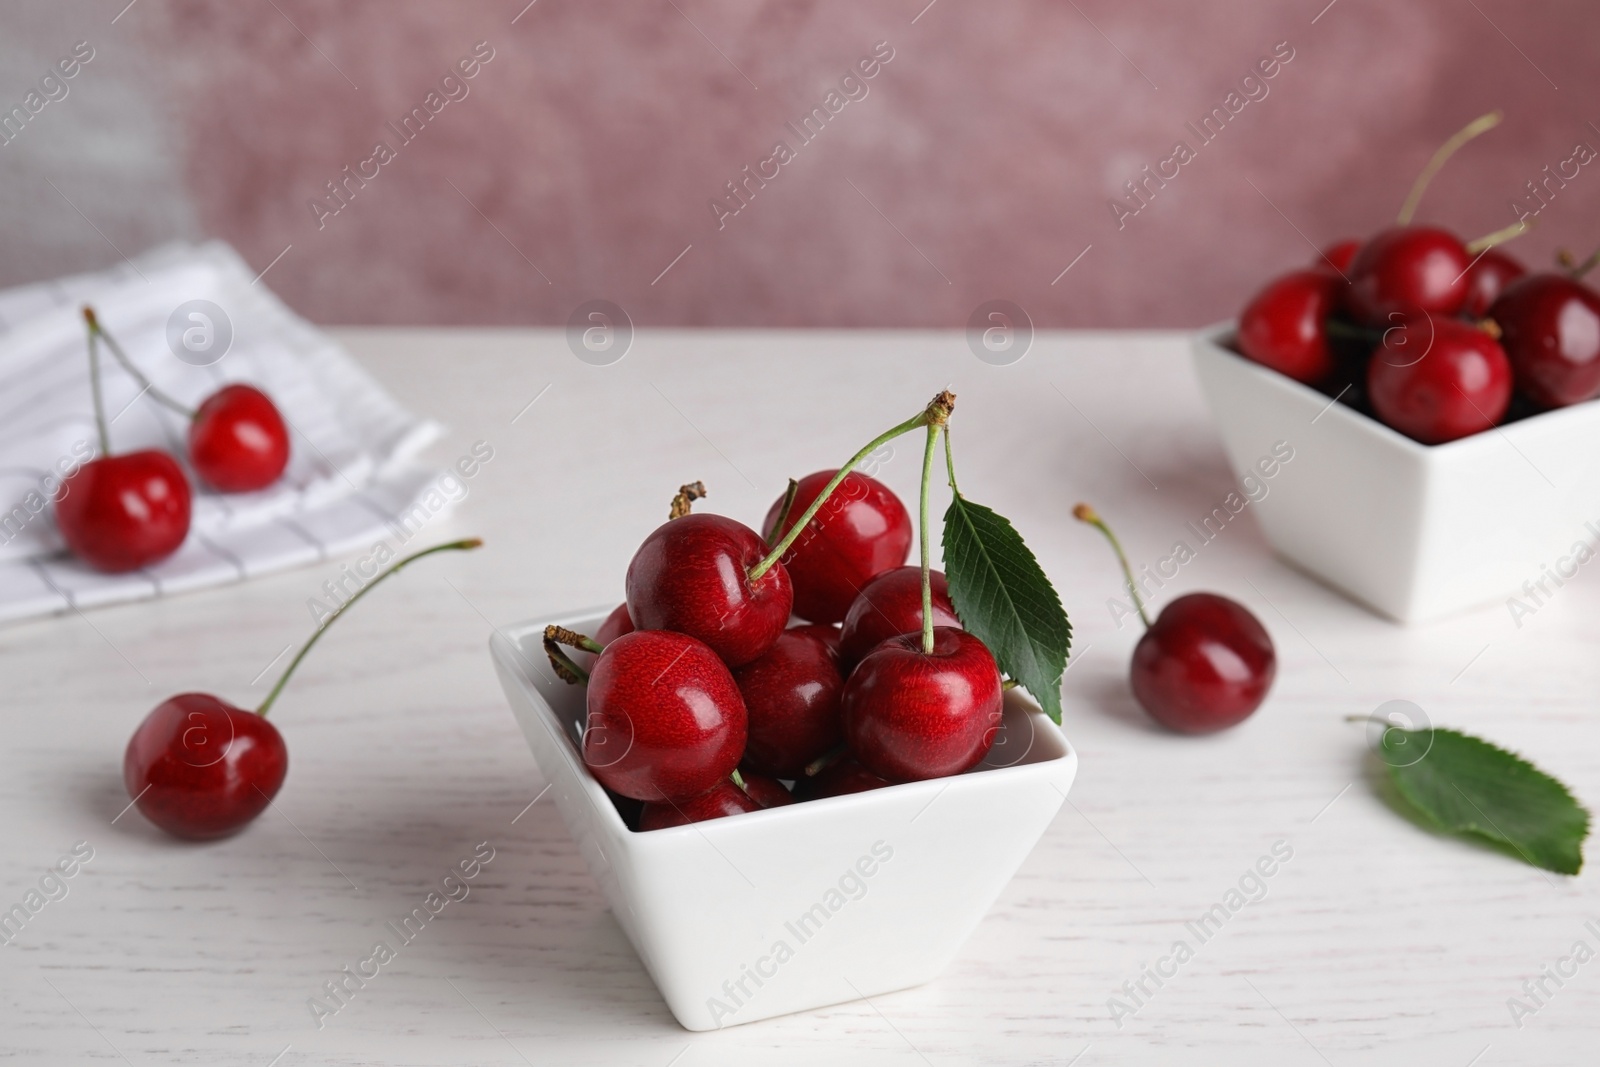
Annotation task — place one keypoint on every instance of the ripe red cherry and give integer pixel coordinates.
(791, 693)
(890, 605)
(201, 768)
(1283, 325)
(1550, 328)
(1336, 258)
(838, 779)
(1437, 379)
(1405, 271)
(1489, 277)
(1206, 663)
(722, 800)
(665, 717)
(860, 532)
(120, 513)
(692, 575)
(910, 715)
(237, 440)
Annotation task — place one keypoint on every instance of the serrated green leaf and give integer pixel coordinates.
(1465, 785)
(1003, 597)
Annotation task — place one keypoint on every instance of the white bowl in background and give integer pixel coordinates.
(1413, 531)
(798, 907)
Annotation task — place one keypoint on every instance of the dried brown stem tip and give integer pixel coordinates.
(1084, 513)
(940, 407)
(683, 503)
(88, 316)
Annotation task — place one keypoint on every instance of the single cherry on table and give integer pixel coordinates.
(861, 531)
(202, 768)
(1205, 664)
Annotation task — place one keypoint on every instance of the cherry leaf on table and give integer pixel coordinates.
(1465, 785)
(1004, 599)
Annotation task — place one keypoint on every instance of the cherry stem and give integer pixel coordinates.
(1575, 270)
(937, 412)
(560, 662)
(94, 391)
(783, 512)
(826, 760)
(1084, 513)
(738, 780)
(1481, 124)
(927, 587)
(266, 705)
(1008, 684)
(683, 503)
(95, 329)
(1498, 237)
(1340, 328)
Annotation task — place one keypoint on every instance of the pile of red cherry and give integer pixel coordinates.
(703, 700)
(122, 512)
(1436, 338)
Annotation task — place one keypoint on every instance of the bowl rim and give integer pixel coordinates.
(506, 651)
(1215, 337)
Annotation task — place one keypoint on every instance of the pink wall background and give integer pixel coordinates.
(978, 165)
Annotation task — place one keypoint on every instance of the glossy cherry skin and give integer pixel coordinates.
(838, 779)
(1406, 271)
(1436, 380)
(692, 575)
(120, 513)
(791, 693)
(1490, 276)
(1283, 326)
(722, 800)
(1205, 664)
(910, 715)
(891, 605)
(1550, 329)
(861, 531)
(665, 718)
(1337, 257)
(238, 441)
(201, 768)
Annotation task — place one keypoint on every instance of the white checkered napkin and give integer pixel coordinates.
(351, 471)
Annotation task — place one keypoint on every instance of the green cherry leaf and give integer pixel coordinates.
(1004, 599)
(1464, 785)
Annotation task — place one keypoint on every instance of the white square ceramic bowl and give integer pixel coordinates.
(798, 907)
(1413, 531)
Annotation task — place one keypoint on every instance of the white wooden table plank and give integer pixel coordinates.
(1375, 943)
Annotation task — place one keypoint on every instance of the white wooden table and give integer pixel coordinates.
(1376, 943)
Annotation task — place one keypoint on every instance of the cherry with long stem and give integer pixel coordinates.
(451, 546)
(202, 768)
(1205, 663)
